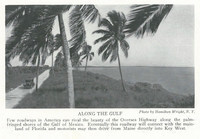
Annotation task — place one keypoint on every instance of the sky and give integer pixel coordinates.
(172, 45)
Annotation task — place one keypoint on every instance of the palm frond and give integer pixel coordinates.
(91, 55)
(117, 19)
(50, 43)
(106, 23)
(32, 18)
(146, 18)
(106, 53)
(90, 13)
(34, 40)
(58, 42)
(44, 55)
(114, 54)
(84, 57)
(42, 28)
(20, 26)
(77, 29)
(104, 46)
(35, 57)
(102, 39)
(12, 13)
(124, 47)
(32, 27)
(114, 17)
(28, 54)
(101, 31)
(86, 49)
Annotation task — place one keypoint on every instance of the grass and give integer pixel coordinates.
(52, 94)
(99, 91)
(17, 75)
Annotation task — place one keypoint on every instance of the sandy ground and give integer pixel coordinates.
(13, 97)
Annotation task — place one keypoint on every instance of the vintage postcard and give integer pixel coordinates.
(112, 70)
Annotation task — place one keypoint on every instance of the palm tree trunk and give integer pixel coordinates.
(120, 71)
(37, 74)
(86, 63)
(68, 64)
(52, 68)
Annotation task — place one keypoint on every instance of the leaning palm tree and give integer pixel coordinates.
(35, 16)
(113, 39)
(87, 54)
(34, 50)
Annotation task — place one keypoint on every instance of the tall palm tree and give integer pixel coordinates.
(113, 39)
(45, 15)
(87, 54)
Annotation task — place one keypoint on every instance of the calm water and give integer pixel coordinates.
(176, 80)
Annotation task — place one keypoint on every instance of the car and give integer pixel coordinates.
(29, 83)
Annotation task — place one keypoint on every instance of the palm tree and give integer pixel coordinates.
(30, 51)
(54, 43)
(78, 64)
(75, 59)
(33, 55)
(37, 16)
(59, 60)
(113, 39)
(87, 54)
(88, 12)
(51, 43)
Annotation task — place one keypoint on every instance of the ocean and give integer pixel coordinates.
(175, 79)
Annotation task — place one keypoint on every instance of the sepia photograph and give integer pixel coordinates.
(99, 56)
